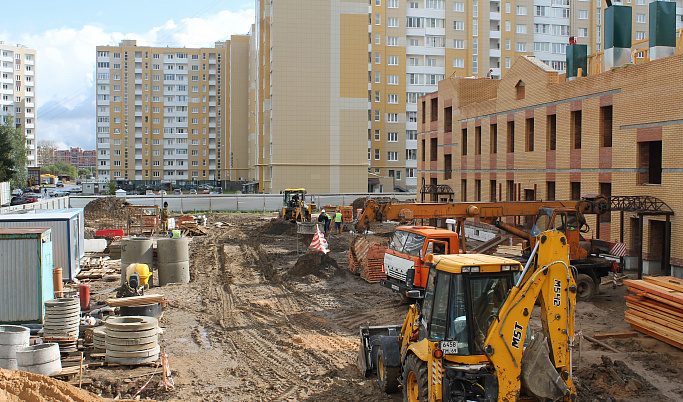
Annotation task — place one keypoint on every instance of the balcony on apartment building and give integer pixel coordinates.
(494, 30)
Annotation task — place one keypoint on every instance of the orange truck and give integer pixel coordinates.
(404, 260)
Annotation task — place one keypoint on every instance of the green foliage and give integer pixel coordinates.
(83, 172)
(13, 154)
(112, 187)
(6, 161)
(60, 168)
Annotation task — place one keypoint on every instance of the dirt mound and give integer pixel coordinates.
(610, 381)
(21, 386)
(278, 227)
(314, 262)
(106, 207)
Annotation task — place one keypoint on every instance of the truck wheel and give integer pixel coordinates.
(387, 376)
(415, 387)
(585, 287)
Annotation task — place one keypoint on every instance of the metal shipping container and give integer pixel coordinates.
(25, 274)
(67, 234)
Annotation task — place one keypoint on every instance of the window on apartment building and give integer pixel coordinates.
(640, 18)
(424, 151)
(511, 136)
(521, 28)
(377, 115)
(412, 117)
(475, 64)
(583, 14)
(392, 117)
(424, 111)
(377, 77)
(378, 39)
(575, 129)
(510, 188)
(392, 40)
(411, 135)
(520, 90)
(415, 22)
(377, 154)
(493, 193)
(463, 141)
(448, 119)
(433, 149)
(392, 137)
(508, 45)
(550, 190)
(434, 106)
(410, 172)
(463, 190)
(378, 135)
(458, 62)
(459, 7)
(582, 32)
(551, 132)
(414, 41)
(378, 58)
(640, 35)
(392, 99)
(392, 79)
(459, 25)
(606, 126)
(575, 189)
(411, 154)
(529, 138)
(507, 62)
(493, 138)
(475, 27)
(378, 19)
(392, 3)
(560, 13)
(378, 96)
(392, 156)
(458, 43)
(521, 10)
(541, 46)
(477, 190)
(392, 60)
(477, 140)
(508, 26)
(521, 46)
(392, 22)
(650, 162)
(447, 166)
(542, 11)
(475, 46)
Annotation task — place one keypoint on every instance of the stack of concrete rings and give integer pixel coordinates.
(132, 340)
(12, 339)
(99, 342)
(40, 359)
(62, 318)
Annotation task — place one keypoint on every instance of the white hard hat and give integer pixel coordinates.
(322, 211)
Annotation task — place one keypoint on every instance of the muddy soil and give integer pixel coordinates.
(253, 325)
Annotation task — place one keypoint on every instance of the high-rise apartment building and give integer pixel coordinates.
(160, 113)
(18, 69)
(290, 104)
(308, 113)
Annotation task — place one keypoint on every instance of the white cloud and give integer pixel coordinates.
(65, 90)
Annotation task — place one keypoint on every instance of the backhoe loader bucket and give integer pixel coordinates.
(539, 376)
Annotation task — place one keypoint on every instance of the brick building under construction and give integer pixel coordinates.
(535, 135)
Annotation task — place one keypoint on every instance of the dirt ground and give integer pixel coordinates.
(253, 325)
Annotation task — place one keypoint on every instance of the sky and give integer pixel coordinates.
(65, 35)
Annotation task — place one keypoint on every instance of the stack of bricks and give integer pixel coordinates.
(372, 266)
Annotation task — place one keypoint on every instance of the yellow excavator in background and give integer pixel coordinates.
(469, 338)
(294, 207)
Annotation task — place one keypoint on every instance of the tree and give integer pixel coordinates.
(6, 162)
(17, 153)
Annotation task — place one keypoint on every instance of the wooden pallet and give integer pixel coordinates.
(656, 308)
(136, 301)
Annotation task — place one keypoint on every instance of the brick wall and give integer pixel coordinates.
(646, 104)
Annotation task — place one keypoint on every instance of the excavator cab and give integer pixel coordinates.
(568, 221)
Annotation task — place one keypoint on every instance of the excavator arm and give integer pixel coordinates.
(542, 367)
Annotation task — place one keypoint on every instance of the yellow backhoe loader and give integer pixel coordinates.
(469, 338)
(294, 207)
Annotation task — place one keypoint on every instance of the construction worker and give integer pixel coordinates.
(338, 221)
(325, 220)
(164, 218)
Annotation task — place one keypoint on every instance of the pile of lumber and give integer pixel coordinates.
(96, 267)
(656, 308)
(515, 249)
(372, 266)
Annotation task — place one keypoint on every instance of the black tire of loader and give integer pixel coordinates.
(386, 376)
(418, 369)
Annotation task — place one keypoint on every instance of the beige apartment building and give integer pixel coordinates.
(18, 92)
(330, 104)
(161, 114)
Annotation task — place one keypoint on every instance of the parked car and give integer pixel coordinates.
(59, 184)
(162, 192)
(206, 191)
(17, 200)
(60, 193)
(193, 191)
(17, 191)
(177, 191)
(149, 192)
(217, 190)
(30, 198)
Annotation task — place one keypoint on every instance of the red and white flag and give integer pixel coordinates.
(319, 242)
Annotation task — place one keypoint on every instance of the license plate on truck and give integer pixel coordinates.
(449, 347)
(395, 287)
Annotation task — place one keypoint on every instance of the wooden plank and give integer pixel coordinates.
(651, 314)
(657, 290)
(660, 299)
(631, 316)
(673, 311)
(615, 335)
(652, 331)
(135, 300)
(666, 281)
